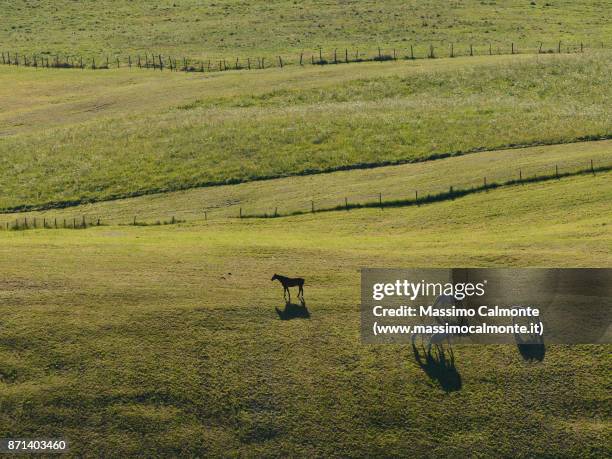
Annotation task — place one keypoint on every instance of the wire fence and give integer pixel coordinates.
(156, 61)
(442, 189)
(296, 205)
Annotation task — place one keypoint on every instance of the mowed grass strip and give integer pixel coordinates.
(369, 121)
(117, 334)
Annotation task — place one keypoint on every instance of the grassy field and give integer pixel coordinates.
(293, 194)
(131, 340)
(135, 135)
(171, 340)
(229, 28)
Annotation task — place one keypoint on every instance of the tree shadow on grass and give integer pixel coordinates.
(293, 311)
(439, 364)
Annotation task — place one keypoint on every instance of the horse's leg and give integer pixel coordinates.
(289, 293)
(301, 291)
(285, 294)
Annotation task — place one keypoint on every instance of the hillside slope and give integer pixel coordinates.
(138, 137)
(231, 28)
(115, 334)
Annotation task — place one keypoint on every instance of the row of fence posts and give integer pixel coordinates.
(485, 186)
(73, 223)
(82, 222)
(159, 62)
(34, 223)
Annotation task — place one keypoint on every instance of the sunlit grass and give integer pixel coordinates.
(401, 115)
(230, 29)
(118, 333)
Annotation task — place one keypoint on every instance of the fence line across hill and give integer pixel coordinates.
(416, 197)
(157, 61)
(426, 196)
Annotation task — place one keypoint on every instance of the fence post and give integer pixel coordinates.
(73, 223)
(346, 55)
(302, 58)
(241, 212)
(346, 203)
(411, 52)
(312, 208)
(380, 199)
(276, 211)
(205, 216)
(559, 48)
(416, 196)
(520, 176)
(471, 50)
(485, 184)
(55, 222)
(556, 170)
(512, 51)
(134, 220)
(84, 222)
(592, 168)
(490, 49)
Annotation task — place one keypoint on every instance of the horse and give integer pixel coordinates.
(290, 282)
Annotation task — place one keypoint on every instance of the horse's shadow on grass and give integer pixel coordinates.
(532, 349)
(439, 364)
(293, 311)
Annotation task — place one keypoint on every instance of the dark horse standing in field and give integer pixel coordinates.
(290, 282)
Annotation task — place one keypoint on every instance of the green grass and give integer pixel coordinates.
(230, 28)
(285, 123)
(137, 340)
(294, 194)
(163, 340)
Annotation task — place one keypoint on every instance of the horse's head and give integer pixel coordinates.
(274, 277)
